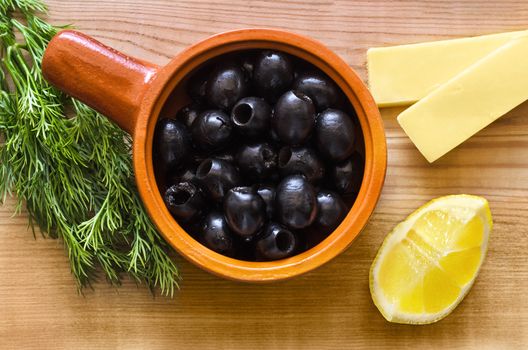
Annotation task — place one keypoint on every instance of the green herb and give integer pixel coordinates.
(73, 173)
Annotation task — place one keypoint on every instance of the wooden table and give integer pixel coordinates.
(330, 307)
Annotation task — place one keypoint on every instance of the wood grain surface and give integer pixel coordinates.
(330, 307)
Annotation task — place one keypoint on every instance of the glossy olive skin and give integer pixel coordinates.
(186, 201)
(245, 211)
(301, 160)
(227, 84)
(212, 129)
(189, 113)
(296, 202)
(172, 143)
(331, 210)
(276, 242)
(216, 235)
(272, 74)
(348, 175)
(320, 88)
(218, 177)
(294, 117)
(267, 193)
(257, 161)
(335, 135)
(251, 116)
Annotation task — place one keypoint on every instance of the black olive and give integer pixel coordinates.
(320, 88)
(251, 116)
(273, 137)
(212, 129)
(272, 74)
(335, 134)
(198, 157)
(348, 175)
(276, 242)
(216, 235)
(331, 210)
(296, 202)
(301, 160)
(197, 83)
(268, 195)
(257, 161)
(227, 84)
(218, 176)
(248, 63)
(226, 155)
(189, 113)
(172, 143)
(245, 211)
(293, 118)
(183, 174)
(186, 201)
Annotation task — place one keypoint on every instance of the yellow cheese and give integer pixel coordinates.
(402, 75)
(470, 101)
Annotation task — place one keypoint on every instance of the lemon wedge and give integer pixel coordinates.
(429, 262)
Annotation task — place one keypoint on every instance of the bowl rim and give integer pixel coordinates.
(316, 53)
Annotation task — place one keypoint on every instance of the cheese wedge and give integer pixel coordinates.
(402, 75)
(470, 101)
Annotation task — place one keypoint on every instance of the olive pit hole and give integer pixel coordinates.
(180, 197)
(284, 241)
(242, 114)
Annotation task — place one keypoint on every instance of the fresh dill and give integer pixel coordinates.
(72, 172)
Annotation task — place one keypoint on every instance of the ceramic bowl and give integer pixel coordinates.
(135, 94)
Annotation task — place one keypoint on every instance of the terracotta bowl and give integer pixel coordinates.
(135, 94)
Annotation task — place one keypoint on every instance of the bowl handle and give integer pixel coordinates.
(103, 78)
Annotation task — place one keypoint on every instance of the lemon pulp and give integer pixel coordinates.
(428, 263)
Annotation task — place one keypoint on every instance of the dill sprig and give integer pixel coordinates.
(72, 172)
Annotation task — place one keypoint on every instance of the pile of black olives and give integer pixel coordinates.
(265, 161)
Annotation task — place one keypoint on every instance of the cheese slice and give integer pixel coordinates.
(402, 75)
(470, 101)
